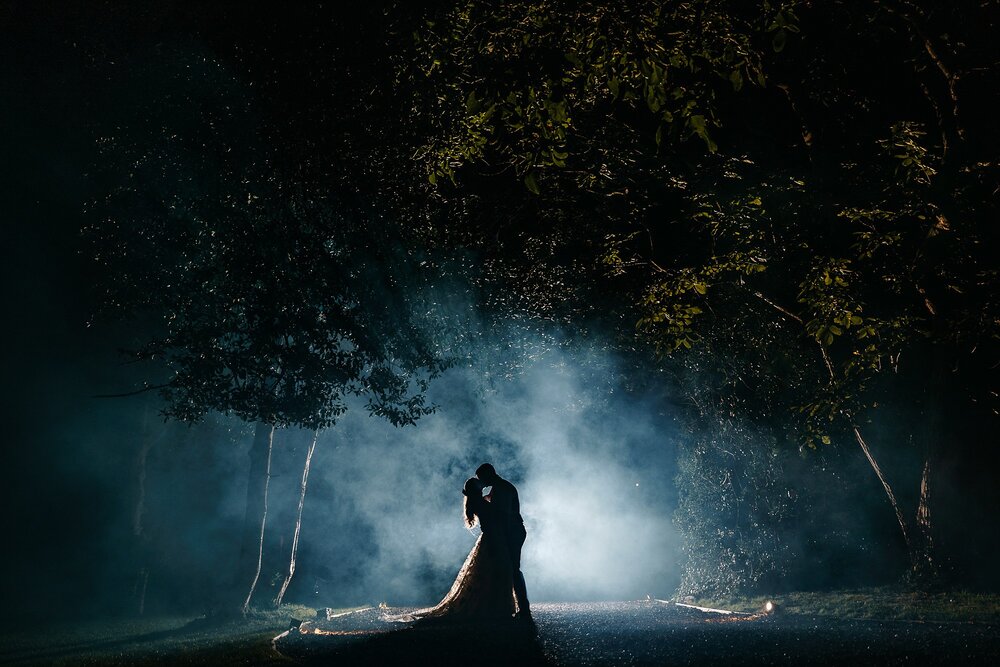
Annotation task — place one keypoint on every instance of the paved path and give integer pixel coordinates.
(641, 633)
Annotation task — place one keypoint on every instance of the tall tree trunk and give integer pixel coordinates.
(900, 519)
(926, 561)
(939, 418)
(937, 413)
(298, 520)
(255, 519)
(139, 513)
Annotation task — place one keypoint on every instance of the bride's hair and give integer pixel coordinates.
(473, 489)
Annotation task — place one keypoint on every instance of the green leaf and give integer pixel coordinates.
(697, 123)
(780, 37)
(531, 183)
(652, 102)
(472, 103)
(736, 77)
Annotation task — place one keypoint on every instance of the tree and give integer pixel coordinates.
(254, 294)
(788, 191)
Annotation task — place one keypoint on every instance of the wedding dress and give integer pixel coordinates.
(483, 588)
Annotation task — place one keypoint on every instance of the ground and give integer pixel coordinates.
(620, 633)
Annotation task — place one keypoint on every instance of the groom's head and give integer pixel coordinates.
(486, 473)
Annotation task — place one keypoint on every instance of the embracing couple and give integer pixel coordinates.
(490, 584)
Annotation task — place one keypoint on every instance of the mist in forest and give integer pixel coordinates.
(592, 466)
(382, 520)
(142, 511)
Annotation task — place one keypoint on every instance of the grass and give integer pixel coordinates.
(176, 640)
(886, 603)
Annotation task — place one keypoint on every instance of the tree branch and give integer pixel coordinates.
(133, 393)
(784, 311)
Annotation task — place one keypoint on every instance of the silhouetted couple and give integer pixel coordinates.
(490, 584)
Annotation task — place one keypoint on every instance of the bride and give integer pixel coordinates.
(484, 586)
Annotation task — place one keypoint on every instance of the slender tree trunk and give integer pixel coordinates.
(927, 561)
(298, 520)
(940, 418)
(141, 584)
(925, 564)
(900, 519)
(255, 519)
(139, 509)
(139, 513)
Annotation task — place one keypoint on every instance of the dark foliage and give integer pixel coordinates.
(791, 202)
(798, 197)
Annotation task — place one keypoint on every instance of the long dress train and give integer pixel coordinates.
(484, 587)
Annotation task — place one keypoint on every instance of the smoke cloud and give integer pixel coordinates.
(593, 466)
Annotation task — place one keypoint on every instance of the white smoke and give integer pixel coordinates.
(593, 468)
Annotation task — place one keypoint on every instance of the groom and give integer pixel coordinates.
(503, 498)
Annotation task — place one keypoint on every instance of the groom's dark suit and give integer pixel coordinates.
(507, 518)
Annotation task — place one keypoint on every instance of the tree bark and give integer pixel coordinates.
(938, 418)
(900, 519)
(139, 513)
(926, 562)
(255, 518)
(298, 520)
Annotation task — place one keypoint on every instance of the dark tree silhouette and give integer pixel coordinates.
(797, 196)
(256, 295)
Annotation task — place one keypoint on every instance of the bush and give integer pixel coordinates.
(733, 511)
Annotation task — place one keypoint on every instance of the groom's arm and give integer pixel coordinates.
(504, 496)
(514, 520)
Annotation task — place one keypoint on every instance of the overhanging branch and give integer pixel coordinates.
(133, 393)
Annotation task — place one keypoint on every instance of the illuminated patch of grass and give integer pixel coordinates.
(181, 640)
(887, 603)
